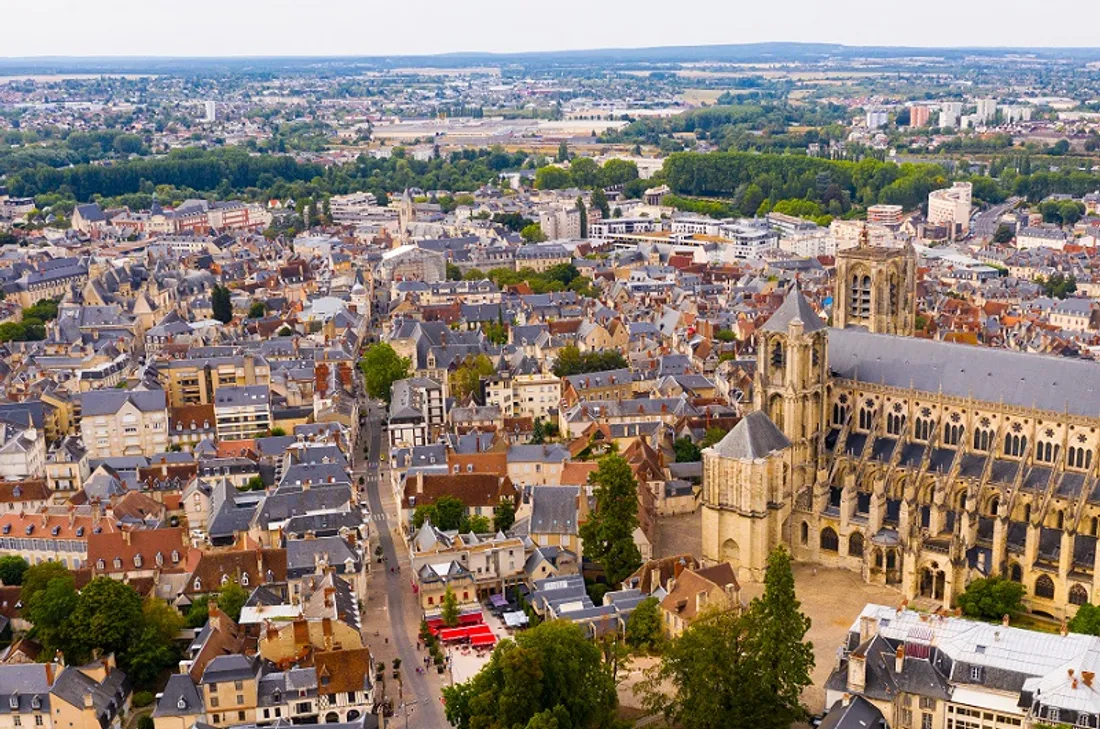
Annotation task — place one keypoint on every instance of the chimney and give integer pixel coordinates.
(868, 627)
(845, 699)
(126, 537)
(1005, 620)
(857, 672)
(899, 659)
(419, 483)
(49, 674)
(1087, 677)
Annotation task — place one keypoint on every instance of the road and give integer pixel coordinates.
(984, 224)
(401, 608)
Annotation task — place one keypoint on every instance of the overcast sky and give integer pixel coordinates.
(373, 27)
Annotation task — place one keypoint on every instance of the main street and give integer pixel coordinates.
(399, 626)
(984, 224)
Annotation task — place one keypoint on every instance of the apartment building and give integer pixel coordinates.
(195, 381)
(417, 410)
(124, 422)
(884, 215)
(560, 222)
(951, 207)
(241, 413)
(54, 696)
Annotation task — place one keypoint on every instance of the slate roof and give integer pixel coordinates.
(554, 510)
(794, 306)
(989, 375)
(755, 436)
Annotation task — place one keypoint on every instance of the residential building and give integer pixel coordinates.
(242, 412)
(951, 207)
(124, 422)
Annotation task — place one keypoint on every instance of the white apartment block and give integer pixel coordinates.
(951, 207)
(561, 222)
(124, 423)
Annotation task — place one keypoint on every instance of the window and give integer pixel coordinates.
(927, 702)
(925, 721)
(1078, 595)
(240, 699)
(829, 540)
(1053, 713)
(198, 584)
(214, 701)
(18, 721)
(217, 718)
(1044, 587)
(907, 718)
(1084, 720)
(38, 720)
(240, 716)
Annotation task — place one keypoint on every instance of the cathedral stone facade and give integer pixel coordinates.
(918, 464)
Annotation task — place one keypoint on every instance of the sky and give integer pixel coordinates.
(422, 27)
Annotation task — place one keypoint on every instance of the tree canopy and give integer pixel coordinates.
(222, 305)
(571, 361)
(466, 379)
(991, 598)
(549, 676)
(382, 366)
(608, 534)
(12, 569)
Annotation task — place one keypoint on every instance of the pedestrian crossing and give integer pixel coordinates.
(377, 517)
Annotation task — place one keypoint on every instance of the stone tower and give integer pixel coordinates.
(791, 375)
(876, 288)
(746, 495)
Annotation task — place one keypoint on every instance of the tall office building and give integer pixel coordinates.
(211, 111)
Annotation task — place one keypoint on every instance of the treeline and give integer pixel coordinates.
(231, 171)
(72, 149)
(751, 179)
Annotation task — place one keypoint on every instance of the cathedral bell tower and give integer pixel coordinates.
(876, 288)
(791, 375)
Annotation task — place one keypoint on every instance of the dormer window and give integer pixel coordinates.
(244, 579)
(138, 560)
(175, 556)
(100, 564)
(118, 563)
(225, 579)
(198, 584)
(13, 701)
(36, 702)
(159, 559)
(181, 704)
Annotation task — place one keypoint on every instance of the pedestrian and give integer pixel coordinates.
(417, 645)
(815, 571)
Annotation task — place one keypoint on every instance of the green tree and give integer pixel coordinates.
(991, 598)
(1003, 234)
(712, 436)
(37, 577)
(549, 673)
(257, 310)
(708, 677)
(106, 614)
(599, 202)
(48, 606)
(533, 233)
(608, 535)
(382, 366)
(256, 483)
(448, 609)
(454, 273)
(1087, 620)
(475, 523)
(643, 628)
(221, 304)
(466, 379)
(152, 648)
(231, 598)
(199, 612)
(686, 450)
(12, 569)
(449, 511)
(584, 217)
(504, 516)
(563, 152)
(785, 660)
(584, 172)
(552, 178)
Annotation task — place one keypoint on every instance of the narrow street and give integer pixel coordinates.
(392, 594)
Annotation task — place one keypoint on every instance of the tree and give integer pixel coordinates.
(37, 577)
(475, 523)
(199, 612)
(585, 172)
(454, 273)
(608, 535)
(257, 310)
(785, 660)
(1003, 234)
(599, 202)
(533, 233)
(643, 628)
(552, 178)
(584, 217)
(12, 569)
(571, 361)
(991, 598)
(382, 366)
(449, 511)
(1087, 620)
(153, 646)
(48, 608)
(231, 598)
(686, 450)
(504, 516)
(563, 152)
(105, 616)
(550, 675)
(711, 670)
(221, 304)
(466, 379)
(256, 483)
(449, 608)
